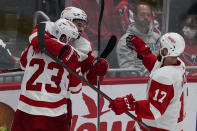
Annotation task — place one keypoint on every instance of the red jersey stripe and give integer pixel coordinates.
(43, 103)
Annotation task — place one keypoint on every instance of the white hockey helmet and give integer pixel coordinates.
(72, 13)
(173, 42)
(65, 27)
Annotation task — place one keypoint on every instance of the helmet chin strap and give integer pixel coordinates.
(162, 56)
(162, 59)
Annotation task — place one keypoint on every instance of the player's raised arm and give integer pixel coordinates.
(143, 51)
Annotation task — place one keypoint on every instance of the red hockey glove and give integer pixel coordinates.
(136, 43)
(122, 104)
(93, 79)
(100, 68)
(69, 56)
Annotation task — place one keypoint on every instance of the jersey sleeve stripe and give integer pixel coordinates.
(32, 36)
(69, 56)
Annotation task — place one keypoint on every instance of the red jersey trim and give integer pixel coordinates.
(43, 103)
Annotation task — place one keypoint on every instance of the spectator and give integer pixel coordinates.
(163, 109)
(144, 28)
(189, 29)
(7, 61)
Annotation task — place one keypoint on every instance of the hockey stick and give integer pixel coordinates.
(41, 40)
(98, 78)
(110, 46)
(40, 16)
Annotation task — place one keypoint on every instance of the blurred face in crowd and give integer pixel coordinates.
(81, 25)
(190, 28)
(143, 17)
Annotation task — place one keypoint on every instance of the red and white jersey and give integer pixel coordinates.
(164, 107)
(82, 45)
(45, 85)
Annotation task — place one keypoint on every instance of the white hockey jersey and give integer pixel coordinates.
(164, 109)
(45, 85)
(82, 45)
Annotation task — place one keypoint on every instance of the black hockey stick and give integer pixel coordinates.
(41, 40)
(40, 16)
(110, 46)
(98, 78)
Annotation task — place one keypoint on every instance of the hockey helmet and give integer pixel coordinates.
(173, 42)
(65, 27)
(72, 13)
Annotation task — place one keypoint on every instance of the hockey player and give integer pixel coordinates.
(79, 18)
(88, 56)
(43, 99)
(163, 109)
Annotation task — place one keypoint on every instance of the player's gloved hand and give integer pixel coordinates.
(123, 104)
(136, 43)
(69, 56)
(99, 68)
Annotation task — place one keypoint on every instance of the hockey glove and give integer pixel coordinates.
(134, 42)
(123, 104)
(98, 69)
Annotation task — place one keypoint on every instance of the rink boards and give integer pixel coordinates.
(85, 104)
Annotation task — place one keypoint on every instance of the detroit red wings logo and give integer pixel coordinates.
(171, 39)
(92, 107)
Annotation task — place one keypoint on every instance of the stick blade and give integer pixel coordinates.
(110, 46)
(40, 16)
